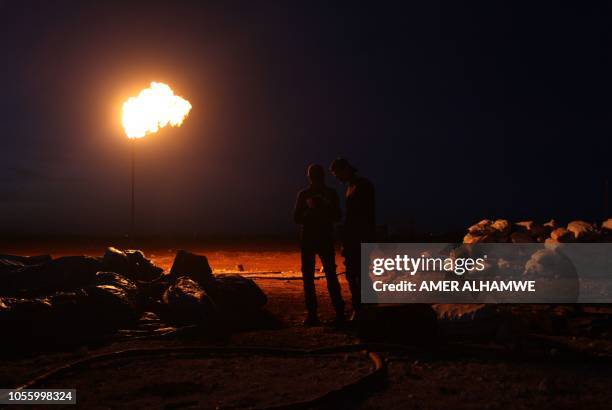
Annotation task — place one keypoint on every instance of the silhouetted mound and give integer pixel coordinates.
(130, 263)
(185, 302)
(502, 231)
(115, 260)
(9, 263)
(235, 295)
(56, 275)
(108, 303)
(194, 266)
(73, 299)
(115, 279)
(112, 301)
(31, 317)
(231, 300)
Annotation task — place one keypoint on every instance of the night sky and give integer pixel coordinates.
(457, 111)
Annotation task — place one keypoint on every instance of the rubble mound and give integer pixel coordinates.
(185, 302)
(193, 266)
(130, 263)
(551, 232)
(73, 299)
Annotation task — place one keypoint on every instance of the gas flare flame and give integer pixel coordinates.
(154, 108)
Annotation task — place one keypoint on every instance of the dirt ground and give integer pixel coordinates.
(484, 376)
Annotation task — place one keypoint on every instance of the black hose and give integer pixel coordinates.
(363, 384)
(377, 374)
(296, 277)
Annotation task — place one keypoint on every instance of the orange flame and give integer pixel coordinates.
(154, 108)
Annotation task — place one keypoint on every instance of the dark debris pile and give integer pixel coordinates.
(77, 299)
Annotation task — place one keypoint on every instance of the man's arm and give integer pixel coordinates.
(300, 207)
(336, 212)
(361, 220)
(371, 201)
(368, 204)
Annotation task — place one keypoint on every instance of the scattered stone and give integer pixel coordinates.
(27, 319)
(562, 235)
(551, 243)
(557, 276)
(112, 301)
(193, 266)
(551, 264)
(130, 263)
(501, 227)
(75, 299)
(583, 231)
(471, 239)
(45, 322)
(605, 225)
(140, 267)
(186, 302)
(26, 260)
(481, 228)
(19, 309)
(525, 225)
(606, 230)
(61, 274)
(502, 231)
(551, 225)
(111, 306)
(235, 295)
(8, 266)
(115, 260)
(530, 228)
(115, 279)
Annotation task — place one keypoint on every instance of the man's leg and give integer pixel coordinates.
(352, 262)
(308, 270)
(328, 260)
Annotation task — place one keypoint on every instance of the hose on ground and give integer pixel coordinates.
(295, 277)
(370, 380)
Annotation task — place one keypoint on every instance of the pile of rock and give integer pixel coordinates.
(502, 231)
(79, 298)
(196, 296)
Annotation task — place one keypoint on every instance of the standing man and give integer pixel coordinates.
(317, 209)
(359, 224)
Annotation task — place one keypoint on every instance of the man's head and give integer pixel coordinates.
(316, 174)
(342, 169)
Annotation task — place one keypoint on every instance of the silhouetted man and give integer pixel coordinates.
(359, 224)
(316, 209)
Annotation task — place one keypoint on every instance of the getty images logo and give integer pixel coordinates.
(410, 265)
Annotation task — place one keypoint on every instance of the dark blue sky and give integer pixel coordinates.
(456, 111)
